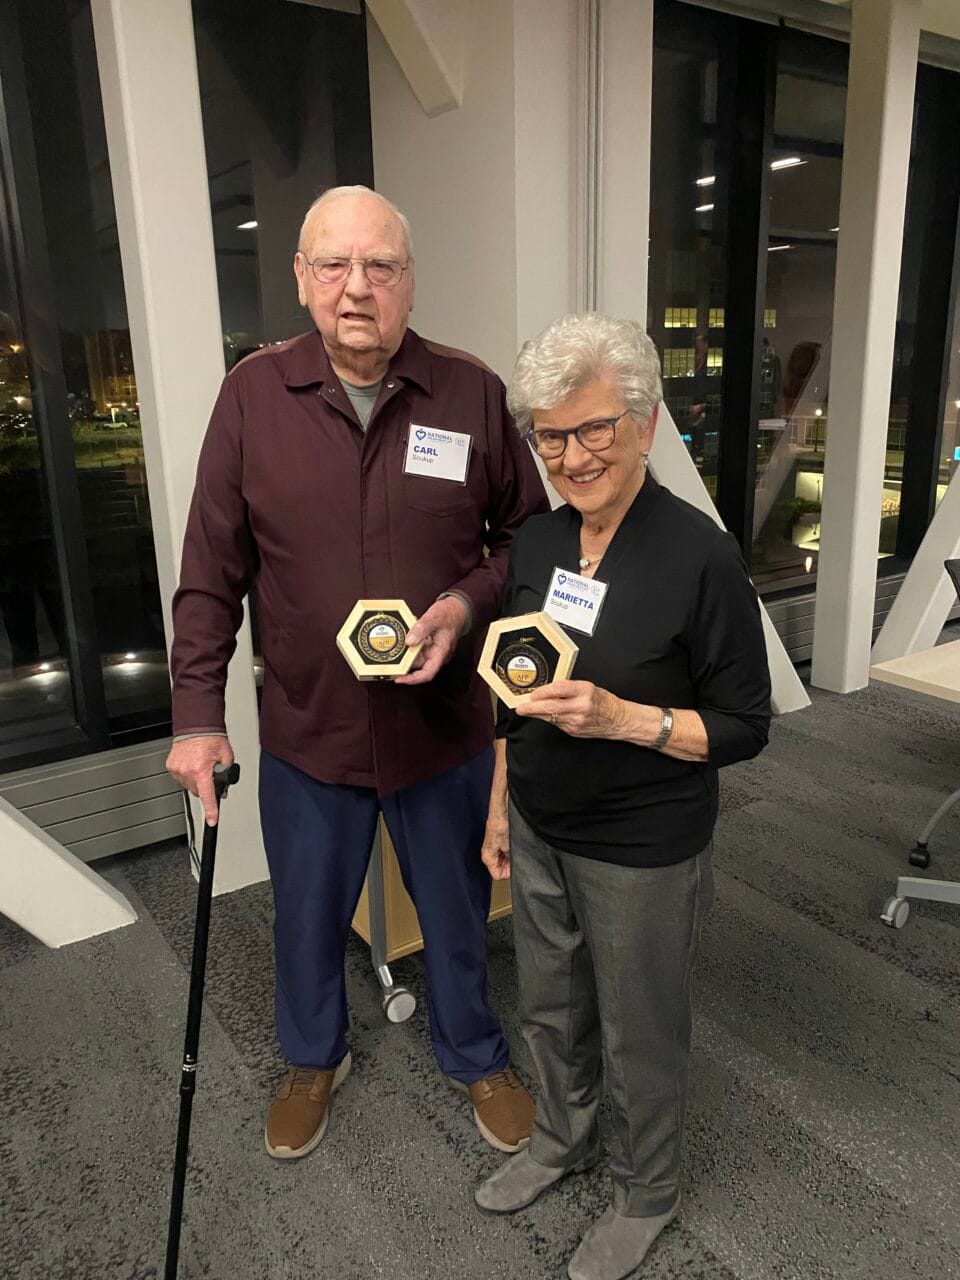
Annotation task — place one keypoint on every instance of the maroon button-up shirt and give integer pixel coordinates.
(292, 497)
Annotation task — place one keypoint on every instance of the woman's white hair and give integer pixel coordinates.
(337, 193)
(576, 350)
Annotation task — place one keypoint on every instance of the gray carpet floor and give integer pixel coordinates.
(823, 1136)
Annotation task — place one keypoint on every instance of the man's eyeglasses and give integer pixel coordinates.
(383, 272)
(595, 436)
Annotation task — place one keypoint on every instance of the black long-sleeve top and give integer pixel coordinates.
(679, 627)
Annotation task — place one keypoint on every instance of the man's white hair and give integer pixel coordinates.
(337, 193)
(576, 350)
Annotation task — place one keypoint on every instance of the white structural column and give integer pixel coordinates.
(626, 97)
(151, 107)
(876, 158)
(48, 891)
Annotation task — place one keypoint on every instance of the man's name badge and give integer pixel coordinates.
(574, 600)
(373, 639)
(525, 653)
(443, 455)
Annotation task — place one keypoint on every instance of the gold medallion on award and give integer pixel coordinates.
(525, 653)
(373, 639)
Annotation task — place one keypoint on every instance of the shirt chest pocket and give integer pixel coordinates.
(438, 497)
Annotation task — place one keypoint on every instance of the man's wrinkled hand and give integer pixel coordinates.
(191, 763)
(438, 630)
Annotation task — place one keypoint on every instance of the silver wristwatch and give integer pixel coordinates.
(666, 728)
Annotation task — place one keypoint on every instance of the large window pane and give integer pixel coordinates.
(88, 298)
(688, 189)
(35, 686)
(286, 113)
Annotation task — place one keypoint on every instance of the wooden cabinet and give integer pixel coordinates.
(403, 927)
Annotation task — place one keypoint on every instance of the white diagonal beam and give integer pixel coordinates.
(48, 891)
(926, 594)
(673, 466)
(425, 38)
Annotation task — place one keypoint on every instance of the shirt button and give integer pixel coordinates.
(390, 386)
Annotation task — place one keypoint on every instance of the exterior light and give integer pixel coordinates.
(818, 413)
(129, 657)
(247, 226)
(775, 248)
(808, 564)
(703, 208)
(788, 162)
(44, 666)
(707, 182)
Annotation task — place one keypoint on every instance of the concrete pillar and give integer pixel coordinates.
(876, 158)
(626, 50)
(151, 108)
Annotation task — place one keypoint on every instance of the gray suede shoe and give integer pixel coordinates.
(614, 1246)
(518, 1182)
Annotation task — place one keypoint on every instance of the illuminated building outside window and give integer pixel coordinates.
(680, 318)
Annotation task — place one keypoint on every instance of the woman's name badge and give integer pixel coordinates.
(444, 455)
(574, 600)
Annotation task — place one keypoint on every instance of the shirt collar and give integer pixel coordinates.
(307, 363)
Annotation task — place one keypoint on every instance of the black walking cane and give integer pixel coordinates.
(224, 775)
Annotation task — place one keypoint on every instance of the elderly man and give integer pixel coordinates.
(308, 489)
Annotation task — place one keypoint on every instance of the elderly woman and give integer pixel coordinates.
(605, 792)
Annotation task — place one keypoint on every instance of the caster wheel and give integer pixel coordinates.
(399, 1005)
(919, 856)
(896, 912)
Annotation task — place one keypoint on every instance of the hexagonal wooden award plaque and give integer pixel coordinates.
(525, 653)
(373, 639)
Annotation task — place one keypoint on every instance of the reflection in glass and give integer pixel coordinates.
(35, 685)
(102, 403)
(950, 435)
(798, 313)
(687, 266)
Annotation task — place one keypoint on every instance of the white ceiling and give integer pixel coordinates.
(939, 16)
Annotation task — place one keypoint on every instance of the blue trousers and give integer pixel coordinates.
(317, 838)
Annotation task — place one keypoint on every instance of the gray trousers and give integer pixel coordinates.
(604, 955)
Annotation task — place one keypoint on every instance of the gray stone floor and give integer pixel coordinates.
(823, 1135)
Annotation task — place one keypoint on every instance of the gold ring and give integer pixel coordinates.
(553, 718)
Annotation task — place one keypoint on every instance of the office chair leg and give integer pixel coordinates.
(919, 857)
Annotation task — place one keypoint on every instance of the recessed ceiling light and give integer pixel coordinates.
(247, 226)
(706, 182)
(788, 162)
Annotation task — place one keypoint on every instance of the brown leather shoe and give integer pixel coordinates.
(503, 1110)
(298, 1115)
